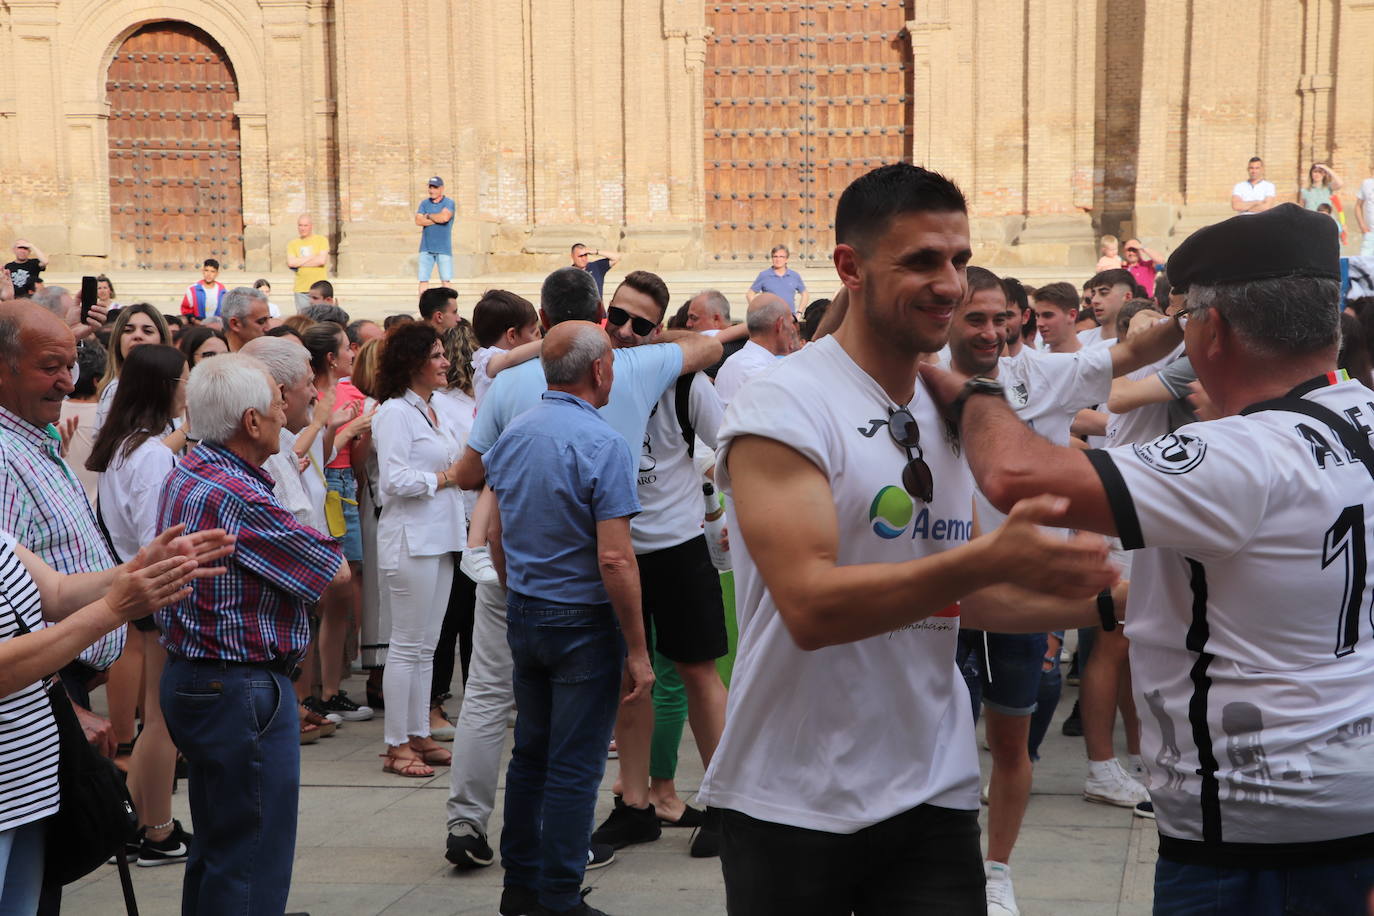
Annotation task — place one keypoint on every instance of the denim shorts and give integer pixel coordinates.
(1011, 672)
(342, 481)
(429, 259)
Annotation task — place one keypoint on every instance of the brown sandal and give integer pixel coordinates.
(406, 766)
(325, 726)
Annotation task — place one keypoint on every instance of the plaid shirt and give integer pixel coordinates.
(255, 612)
(43, 505)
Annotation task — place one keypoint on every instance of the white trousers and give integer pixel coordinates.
(418, 595)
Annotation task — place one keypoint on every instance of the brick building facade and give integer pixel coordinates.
(689, 133)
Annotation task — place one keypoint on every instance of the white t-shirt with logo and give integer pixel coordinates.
(1250, 193)
(849, 735)
(669, 485)
(1147, 422)
(1252, 655)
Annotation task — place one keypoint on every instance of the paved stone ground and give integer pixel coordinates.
(371, 843)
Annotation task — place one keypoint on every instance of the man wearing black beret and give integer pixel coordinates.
(1250, 608)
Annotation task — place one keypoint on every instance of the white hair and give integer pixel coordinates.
(572, 365)
(238, 302)
(285, 358)
(221, 390)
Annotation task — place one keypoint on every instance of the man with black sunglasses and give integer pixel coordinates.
(847, 771)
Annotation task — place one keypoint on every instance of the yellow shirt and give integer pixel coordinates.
(304, 248)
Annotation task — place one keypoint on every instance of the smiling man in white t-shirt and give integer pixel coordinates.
(1255, 194)
(847, 775)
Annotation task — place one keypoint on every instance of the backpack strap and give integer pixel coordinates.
(682, 400)
(1355, 442)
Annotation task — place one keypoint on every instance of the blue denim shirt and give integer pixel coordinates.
(557, 470)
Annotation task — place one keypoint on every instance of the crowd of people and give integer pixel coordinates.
(930, 481)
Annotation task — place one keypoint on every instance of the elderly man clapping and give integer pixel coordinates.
(234, 644)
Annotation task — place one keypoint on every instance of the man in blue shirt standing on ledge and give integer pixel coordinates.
(780, 280)
(435, 217)
(570, 575)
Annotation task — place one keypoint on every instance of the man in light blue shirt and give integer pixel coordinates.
(641, 376)
(435, 217)
(573, 612)
(780, 280)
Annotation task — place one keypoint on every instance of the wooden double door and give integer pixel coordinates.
(802, 97)
(175, 177)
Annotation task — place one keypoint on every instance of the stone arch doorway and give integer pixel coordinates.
(175, 175)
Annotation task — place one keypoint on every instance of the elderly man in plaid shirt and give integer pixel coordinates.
(234, 645)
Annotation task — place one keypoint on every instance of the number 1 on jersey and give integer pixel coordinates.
(1346, 538)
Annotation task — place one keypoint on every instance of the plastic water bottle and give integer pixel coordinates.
(715, 526)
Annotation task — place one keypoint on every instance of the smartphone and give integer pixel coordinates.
(87, 297)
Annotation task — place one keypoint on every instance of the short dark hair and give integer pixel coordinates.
(404, 350)
(325, 287)
(1129, 309)
(90, 359)
(1016, 293)
(210, 262)
(435, 300)
(283, 330)
(651, 285)
(576, 245)
(1256, 159)
(325, 311)
(390, 321)
(811, 318)
(262, 282)
(569, 294)
(980, 278)
(867, 206)
(354, 330)
(1060, 295)
(1117, 276)
(498, 311)
(193, 337)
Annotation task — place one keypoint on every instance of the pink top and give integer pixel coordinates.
(347, 394)
(1144, 273)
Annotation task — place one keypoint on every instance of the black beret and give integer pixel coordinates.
(1286, 241)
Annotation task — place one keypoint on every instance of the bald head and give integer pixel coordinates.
(37, 352)
(576, 357)
(772, 324)
(708, 309)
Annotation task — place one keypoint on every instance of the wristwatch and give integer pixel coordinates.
(979, 384)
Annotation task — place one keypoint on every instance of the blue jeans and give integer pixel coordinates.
(240, 733)
(1314, 890)
(567, 690)
(345, 484)
(1051, 687)
(21, 869)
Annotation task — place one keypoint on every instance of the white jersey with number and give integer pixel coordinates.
(844, 737)
(669, 485)
(1251, 646)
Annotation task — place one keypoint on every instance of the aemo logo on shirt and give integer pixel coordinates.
(892, 512)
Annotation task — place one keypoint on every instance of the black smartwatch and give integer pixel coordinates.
(979, 384)
(1106, 609)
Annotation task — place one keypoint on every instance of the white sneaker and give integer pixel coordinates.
(1113, 786)
(1001, 898)
(476, 565)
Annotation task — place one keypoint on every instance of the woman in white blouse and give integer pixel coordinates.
(80, 609)
(420, 529)
(133, 457)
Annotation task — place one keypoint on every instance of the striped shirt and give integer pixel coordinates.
(28, 732)
(44, 506)
(256, 611)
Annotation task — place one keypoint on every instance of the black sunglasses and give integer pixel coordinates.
(617, 316)
(916, 476)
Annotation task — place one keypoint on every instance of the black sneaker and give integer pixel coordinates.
(1073, 725)
(520, 901)
(706, 838)
(582, 909)
(316, 705)
(351, 712)
(626, 826)
(599, 855)
(467, 848)
(130, 850)
(176, 848)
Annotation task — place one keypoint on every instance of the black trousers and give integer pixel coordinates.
(456, 633)
(923, 861)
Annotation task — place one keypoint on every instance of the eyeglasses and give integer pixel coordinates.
(916, 477)
(1181, 316)
(616, 316)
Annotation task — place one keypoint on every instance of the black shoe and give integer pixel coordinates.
(1073, 725)
(582, 909)
(626, 826)
(706, 838)
(520, 901)
(176, 848)
(691, 817)
(130, 850)
(468, 849)
(599, 855)
(351, 712)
